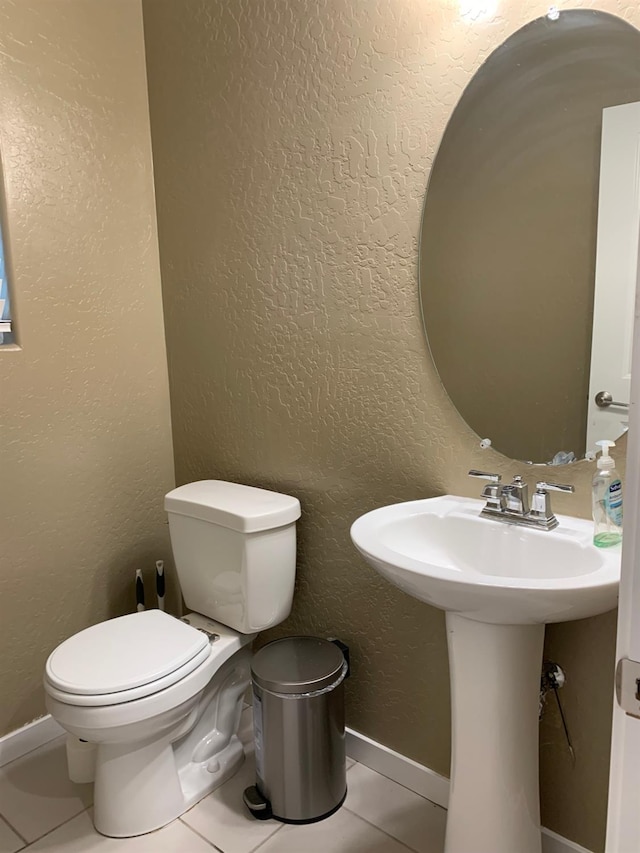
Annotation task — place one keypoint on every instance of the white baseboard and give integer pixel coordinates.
(426, 782)
(554, 843)
(401, 769)
(29, 737)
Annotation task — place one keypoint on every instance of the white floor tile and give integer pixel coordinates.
(343, 832)
(9, 841)
(36, 795)
(401, 813)
(223, 819)
(79, 836)
(350, 762)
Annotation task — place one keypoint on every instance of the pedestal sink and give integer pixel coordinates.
(499, 584)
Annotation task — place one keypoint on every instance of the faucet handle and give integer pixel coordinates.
(541, 503)
(491, 493)
(553, 487)
(485, 475)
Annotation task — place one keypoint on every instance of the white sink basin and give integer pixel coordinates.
(499, 584)
(440, 551)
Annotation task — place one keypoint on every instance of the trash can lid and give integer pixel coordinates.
(297, 665)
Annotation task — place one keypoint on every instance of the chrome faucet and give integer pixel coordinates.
(510, 502)
(516, 497)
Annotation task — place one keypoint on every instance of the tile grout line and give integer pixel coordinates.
(268, 838)
(355, 764)
(59, 826)
(393, 838)
(15, 831)
(355, 814)
(383, 831)
(199, 834)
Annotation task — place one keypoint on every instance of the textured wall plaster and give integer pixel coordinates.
(292, 146)
(85, 441)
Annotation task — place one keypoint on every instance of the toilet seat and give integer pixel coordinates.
(123, 659)
(95, 722)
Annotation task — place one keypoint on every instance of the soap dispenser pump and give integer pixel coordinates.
(607, 499)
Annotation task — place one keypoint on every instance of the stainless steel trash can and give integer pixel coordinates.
(298, 720)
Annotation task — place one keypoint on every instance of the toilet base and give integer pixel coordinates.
(140, 791)
(141, 786)
(198, 780)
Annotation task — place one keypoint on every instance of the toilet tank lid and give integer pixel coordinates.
(243, 508)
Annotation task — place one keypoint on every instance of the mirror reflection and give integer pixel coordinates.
(511, 232)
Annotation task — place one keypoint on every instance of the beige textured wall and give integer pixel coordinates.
(292, 145)
(85, 439)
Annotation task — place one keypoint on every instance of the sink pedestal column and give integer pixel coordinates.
(494, 803)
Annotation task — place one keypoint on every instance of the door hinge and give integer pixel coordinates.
(628, 686)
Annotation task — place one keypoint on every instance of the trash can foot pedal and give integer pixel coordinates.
(258, 805)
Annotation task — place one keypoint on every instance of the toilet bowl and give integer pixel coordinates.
(161, 697)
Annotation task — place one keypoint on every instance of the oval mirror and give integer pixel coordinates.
(510, 230)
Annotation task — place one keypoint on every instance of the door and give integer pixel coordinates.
(615, 280)
(623, 819)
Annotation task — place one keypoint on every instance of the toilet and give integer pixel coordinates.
(161, 697)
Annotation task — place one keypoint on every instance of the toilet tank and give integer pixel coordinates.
(235, 551)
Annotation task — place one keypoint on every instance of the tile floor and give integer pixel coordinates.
(42, 812)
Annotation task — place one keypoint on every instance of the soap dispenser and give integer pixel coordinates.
(607, 499)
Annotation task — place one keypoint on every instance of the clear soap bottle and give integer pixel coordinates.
(607, 500)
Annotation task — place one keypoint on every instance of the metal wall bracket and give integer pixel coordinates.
(628, 686)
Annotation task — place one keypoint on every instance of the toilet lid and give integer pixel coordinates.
(124, 653)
